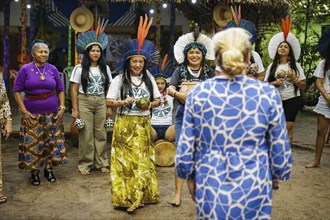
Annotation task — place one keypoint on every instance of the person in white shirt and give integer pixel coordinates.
(90, 82)
(322, 74)
(133, 168)
(162, 116)
(284, 49)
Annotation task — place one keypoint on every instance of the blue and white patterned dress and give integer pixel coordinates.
(234, 142)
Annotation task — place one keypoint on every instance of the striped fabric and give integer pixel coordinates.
(127, 19)
(58, 19)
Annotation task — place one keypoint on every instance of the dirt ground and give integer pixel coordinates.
(73, 196)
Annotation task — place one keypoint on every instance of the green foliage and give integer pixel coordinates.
(308, 16)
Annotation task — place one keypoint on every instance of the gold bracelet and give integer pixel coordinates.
(296, 80)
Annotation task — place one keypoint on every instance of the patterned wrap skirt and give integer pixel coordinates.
(133, 168)
(42, 143)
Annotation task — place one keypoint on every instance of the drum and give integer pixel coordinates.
(187, 86)
(165, 153)
(159, 141)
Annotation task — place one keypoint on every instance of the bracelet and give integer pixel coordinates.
(61, 107)
(295, 80)
(9, 119)
(174, 94)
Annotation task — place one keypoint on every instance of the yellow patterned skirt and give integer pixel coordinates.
(133, 168)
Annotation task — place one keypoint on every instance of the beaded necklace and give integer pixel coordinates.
(42, 77)
(139, 83)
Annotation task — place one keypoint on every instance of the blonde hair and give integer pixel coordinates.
(232, 47)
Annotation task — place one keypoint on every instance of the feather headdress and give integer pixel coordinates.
(242, 23)
(285, 35)
(138, 47)
(93, 37)
(193, 40)
(164, 70)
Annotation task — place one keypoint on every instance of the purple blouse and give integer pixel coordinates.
(28, 81)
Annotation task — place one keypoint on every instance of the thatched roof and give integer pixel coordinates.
(257, 11)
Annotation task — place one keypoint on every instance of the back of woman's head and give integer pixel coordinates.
(232, 47)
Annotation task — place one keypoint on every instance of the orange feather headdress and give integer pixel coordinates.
(138, 47)
(286, 36)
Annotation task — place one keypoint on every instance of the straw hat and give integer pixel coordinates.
(165, 153)
(222, 14)
(81, 19)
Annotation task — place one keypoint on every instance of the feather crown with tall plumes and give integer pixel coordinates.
(193, 40)
(138, 47)
(242, 23)
(91, 37)
(284, 36)
(164, 70)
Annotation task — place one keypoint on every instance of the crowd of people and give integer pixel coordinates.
(233, 125)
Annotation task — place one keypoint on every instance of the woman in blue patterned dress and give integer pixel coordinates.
(234, 147)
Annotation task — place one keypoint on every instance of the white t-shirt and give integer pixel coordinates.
(138, 92)
(258, 61)
(319, 73)
(287, 90)
(95, 83)
(162, 115)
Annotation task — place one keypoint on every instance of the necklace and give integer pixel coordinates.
(137, 85)
(195, 73)
(42, 77)
(139, 77)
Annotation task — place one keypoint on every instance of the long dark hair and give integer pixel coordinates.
(291, 62)
(327, 61)
(203, 65)
(126, 88)
(86, 63)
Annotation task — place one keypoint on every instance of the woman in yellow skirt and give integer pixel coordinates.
(134, 93)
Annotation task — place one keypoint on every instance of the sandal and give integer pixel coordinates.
(3, 199)
(105, 170)
(49, 175)
(35, 180)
